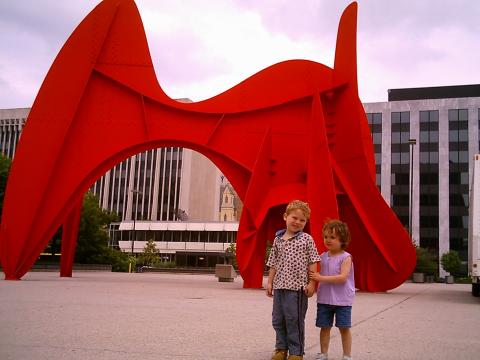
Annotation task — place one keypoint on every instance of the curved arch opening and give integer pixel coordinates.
(173, 196)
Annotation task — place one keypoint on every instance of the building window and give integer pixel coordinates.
(400, 169)
(429, 179)
(458, 179)
(375, 123)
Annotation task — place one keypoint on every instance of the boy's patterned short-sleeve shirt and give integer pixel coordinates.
(291, 258)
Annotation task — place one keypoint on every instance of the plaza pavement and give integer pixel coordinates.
(102, 315)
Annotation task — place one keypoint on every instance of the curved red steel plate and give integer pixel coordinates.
(296, 129)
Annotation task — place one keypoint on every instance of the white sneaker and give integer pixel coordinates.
(345, 357)
(321, 356)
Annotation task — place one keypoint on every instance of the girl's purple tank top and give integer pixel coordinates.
(335, 294)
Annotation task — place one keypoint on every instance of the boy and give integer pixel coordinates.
(336, 290)
(293, 254)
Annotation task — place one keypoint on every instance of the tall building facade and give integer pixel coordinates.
(164, 184)
(425, 140)
(12, 122)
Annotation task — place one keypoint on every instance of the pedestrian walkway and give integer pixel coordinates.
(102, 315)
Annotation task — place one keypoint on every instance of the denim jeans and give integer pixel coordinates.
(325, 313)
(288, 320)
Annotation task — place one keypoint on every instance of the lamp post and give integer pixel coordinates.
(412, 143)
(134, 215)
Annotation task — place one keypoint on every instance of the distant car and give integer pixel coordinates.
(144, 268)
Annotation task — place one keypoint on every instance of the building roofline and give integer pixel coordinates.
(434, 92)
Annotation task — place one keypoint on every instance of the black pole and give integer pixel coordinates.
(134, 216)
(412, 143)
(133, 237)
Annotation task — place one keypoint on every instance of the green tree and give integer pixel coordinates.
(5, 164)
(232, 249)
(150, 255)
(451, 262)
(425, 262)
(92, 245)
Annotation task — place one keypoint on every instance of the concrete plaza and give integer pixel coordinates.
(101, 315)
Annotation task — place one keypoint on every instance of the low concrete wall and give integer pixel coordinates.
(76, 267)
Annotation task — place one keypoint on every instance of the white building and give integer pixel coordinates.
(443, 123)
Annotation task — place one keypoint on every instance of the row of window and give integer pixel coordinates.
(429, 158)
(429, 219)
(176, 236)
(163, 206)
(458, 189)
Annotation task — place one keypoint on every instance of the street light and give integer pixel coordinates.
(135, 215)
(412, 143)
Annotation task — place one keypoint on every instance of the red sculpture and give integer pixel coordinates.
(296, 129)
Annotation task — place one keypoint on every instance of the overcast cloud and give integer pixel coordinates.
(202, 48)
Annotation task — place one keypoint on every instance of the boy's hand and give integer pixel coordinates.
(310, 289)
(315, 276)
(269, 290)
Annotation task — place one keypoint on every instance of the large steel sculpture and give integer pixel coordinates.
(296, 129)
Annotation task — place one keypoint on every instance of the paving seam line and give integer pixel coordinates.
(332, 336)
(91, 349)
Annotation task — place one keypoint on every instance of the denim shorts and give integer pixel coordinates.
(325, 313)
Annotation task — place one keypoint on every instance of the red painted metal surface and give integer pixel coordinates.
(296, 129)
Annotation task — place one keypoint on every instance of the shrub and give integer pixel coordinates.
(451, 262)
(119, 260)
(425, 262)
(165, 264)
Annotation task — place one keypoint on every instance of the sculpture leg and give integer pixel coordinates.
(250, 252)
(252, 273)
(11, 277)
(69, 240)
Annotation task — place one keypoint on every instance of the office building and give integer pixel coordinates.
(424, 143)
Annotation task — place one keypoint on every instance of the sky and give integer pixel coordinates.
(201, 48)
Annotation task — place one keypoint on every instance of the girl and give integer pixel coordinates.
(336, 290)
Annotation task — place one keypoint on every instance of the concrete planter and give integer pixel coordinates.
(225, 273)
(429, 278)
(418, 277)
(449, 279)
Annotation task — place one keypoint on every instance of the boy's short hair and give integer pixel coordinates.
(298, 205)
(338, 228)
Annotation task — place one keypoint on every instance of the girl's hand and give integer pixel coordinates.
(313, 275)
